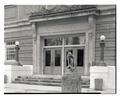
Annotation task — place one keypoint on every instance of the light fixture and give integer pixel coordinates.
(17, 43)
(102, 37)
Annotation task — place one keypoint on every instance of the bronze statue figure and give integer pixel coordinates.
(70, 61)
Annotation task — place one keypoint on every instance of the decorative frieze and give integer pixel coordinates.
(63, 10)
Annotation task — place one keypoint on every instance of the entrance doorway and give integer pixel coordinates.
(52, 61)
(55, 50)
(78, 56)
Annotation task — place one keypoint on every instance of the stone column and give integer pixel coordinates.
(92, 31)
(35, 69)
(86, 54)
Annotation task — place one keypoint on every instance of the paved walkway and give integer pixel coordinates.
(25, 88)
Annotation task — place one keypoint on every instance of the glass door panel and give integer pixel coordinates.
(47, 57)
(67, 61)
(47, 61)
(80, 60)
(52, 61)
(57, 57)
(80, 57)
(57, 70)
(78, 54)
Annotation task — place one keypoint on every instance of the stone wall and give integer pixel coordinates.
(23, 34)
(106, 25)
(18, 28)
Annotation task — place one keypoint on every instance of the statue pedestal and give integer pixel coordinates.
(71, 83)
(106, 73)
(12, 72)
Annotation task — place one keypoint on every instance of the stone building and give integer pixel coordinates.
(47, 32)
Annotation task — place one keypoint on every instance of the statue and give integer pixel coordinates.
(70, 61)
(71, 81)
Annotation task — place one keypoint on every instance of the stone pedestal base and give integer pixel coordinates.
(13, 71)
(71, 84)
(106, 73)
(17, 63)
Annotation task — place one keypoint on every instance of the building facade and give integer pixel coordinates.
(47, 33)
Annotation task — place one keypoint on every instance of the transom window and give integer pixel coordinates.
(74, 40)
(68, 40)
(10, 50)
(53, 41)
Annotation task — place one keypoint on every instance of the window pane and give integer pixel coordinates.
(10, 51)
(80, 57)
(53, 41)
(47, 57)
(75, 40)
(57, 57)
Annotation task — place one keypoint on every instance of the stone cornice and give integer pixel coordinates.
(56, 13)
(24, 22)
(69, 12)
(110, 11)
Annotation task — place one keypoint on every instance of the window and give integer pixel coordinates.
(47, 58)
(10, 51)
(74, 40)
(80, 57)
(57, 57)
(53, 41)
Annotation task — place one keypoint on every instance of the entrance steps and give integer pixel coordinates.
(47, 81)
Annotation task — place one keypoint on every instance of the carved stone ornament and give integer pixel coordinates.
(55, 10)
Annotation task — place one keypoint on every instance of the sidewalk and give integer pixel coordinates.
(106, 91)
(25, 88)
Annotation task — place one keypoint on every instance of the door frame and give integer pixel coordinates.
(86, 49)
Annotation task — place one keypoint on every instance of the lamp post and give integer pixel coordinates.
(17, 48)
(102, 45)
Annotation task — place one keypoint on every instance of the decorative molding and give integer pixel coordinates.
(108, 11)
(34, 32)
(19, 23)
(62, 10)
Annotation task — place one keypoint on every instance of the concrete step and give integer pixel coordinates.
(38, 83)
(48, 81)
(39, 80)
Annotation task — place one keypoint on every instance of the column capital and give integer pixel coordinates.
(34, 31)
(91, 21)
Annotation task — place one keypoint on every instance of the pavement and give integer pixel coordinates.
(25, 88)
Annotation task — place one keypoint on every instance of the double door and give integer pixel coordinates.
(52, 61)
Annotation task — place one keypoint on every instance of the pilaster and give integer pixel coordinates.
(86, 54)
(35, 69)
(92, 30)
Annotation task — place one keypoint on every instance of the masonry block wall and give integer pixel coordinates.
(106, 25)
(18, 28)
